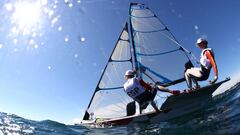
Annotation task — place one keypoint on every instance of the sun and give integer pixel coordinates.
(26, 14)
(26, 20)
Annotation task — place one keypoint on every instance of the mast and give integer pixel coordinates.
(136, 67)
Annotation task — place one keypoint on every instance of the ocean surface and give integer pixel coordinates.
(221, 117)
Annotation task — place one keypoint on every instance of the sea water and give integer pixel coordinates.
(221, 117)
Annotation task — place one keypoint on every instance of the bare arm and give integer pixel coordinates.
(213, 62)
(214, 65)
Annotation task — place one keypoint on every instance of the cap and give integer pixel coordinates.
(129, 72)
(200, 40)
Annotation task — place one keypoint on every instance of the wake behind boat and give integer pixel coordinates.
(147, 46)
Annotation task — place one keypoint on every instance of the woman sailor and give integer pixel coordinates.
(207, 61)
(141, 92)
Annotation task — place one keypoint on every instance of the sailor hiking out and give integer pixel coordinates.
(141, 92)
(207, 61)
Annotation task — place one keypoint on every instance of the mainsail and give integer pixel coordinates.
(148, 47)
(157, 52)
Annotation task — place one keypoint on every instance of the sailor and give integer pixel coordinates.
(207, 61)
(141, 92)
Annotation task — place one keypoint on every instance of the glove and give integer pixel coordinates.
(214, 80)
(175, 92)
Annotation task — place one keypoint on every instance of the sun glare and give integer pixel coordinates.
(26, 14)
(29, 20)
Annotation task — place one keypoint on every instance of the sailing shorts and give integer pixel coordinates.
(204, 74)
(145, 98)
(199, 74)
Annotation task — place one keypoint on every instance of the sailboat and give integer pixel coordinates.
(147, 46)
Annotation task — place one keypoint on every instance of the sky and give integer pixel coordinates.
(52, 52)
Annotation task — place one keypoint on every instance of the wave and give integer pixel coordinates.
(221, 117)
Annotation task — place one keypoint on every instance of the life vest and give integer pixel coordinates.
(133, 87)
(205, 63)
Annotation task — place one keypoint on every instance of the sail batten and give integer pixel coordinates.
(150, 31)
(142, 16)
(119, 60)
(112, 88)
(156, 54)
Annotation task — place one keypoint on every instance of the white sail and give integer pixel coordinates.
(109, 99)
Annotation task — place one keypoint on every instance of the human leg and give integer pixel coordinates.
(131, 108)
(191, 75)
(155, 106)
(143, 106)
(147, 98)
(188, 79)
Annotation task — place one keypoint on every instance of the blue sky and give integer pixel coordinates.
(50, 64)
